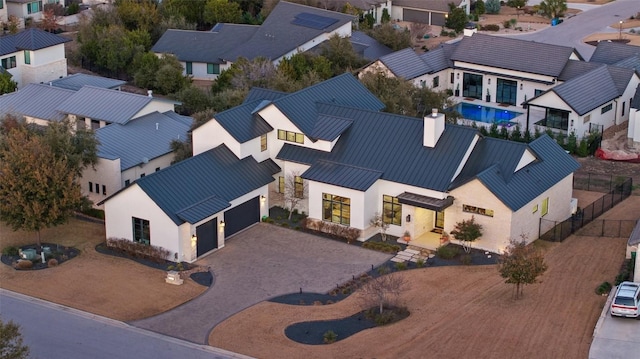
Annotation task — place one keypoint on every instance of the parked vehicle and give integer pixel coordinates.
(626, 301)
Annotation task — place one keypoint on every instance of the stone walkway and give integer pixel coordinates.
(413, 254)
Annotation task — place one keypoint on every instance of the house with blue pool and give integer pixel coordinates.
(349, 161)
(511, 81)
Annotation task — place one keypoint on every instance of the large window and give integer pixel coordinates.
(280, 184)
(477, 210)
(213, 69)
(9, 62)
(1, 4)
(545, 207)
(472, 86)
(506, 91)
(606, 108)
(299, 187)
(556, 119)
(290, 136)
(34, 7)
(436, 82)
(141, 232)
(336, 209)
(263, 143)
(391, 210)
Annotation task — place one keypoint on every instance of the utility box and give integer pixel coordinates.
(173, 277)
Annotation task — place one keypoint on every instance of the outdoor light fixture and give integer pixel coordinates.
(489, 81)
(262, 198)
(521, 86)
(620, 35)
(458, 76)
(194, 238)
(221, 224)
(572, 123)
(408, 218)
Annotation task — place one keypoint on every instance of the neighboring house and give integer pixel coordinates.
(633, 131)
(132, 150)
(432, 12)
(632, 251)
(21, 103)
(368, 47)
(33, 56)
(290, 28)
(29, 9)
(4, 17)
(76, 81)
(422, 175)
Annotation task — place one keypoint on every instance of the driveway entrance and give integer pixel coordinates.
(257, 264)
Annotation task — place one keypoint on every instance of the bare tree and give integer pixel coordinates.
(295, 190)
(383, 291)
(521, 264)
(418, 30)
(378, 222)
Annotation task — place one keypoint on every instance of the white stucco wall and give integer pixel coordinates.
(133, 173)
(105, 173)
(199, 70)
(633, 131)
(4, 17)
(211, 135)
(155, 105)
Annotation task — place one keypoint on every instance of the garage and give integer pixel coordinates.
(241, 216)
(415, 16)
(207, 237)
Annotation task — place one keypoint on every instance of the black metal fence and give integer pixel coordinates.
(597, 182)
(615, 228)
(558, 231)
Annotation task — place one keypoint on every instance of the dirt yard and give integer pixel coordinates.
(108, 286)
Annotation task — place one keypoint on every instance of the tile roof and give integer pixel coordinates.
(611, 52)
(405, 64)
(204, 46)
(22, 102)
(439, 59)
(366, 145)
(581, 94)
(512, 54)
(342, 175)
(575, 68)
(632, 62)
(242, 123)
(104, 104)
(368, 47)
(346, 90)
(31, 39)
(214, 176)
(143, 138)
(77, 81)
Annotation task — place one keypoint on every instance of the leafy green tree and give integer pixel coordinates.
(302, 63)
(191, 10)
(11, 343)
(385, 18)
(521, 264)
(467, 231)
(217, 11)
(553, 8)
(395, 93)
(38, 186)
(146, 65)
(367, 21)
(341, 55)
(457, 18)
(492, 6)
(6, 83)
(517, 3)
(170, 78)
(138, 15)
(392, 38)
(480, 9)
(193, 100)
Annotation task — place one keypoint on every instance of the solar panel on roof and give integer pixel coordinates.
(313, 21)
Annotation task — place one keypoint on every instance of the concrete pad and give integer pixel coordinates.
(398, 260)
(615, 338)
(412, 251)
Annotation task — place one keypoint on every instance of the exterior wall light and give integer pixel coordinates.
(408, 219)
(221, 224)
(194, 238)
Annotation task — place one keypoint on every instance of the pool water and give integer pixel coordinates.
(485, 114)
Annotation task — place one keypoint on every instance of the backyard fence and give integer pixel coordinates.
(615, 228)
(597, 182)
(555, 231)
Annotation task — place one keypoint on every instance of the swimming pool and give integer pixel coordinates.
(485, 114)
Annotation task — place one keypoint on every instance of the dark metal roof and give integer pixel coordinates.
(342, 175)
(330, 127)
(512, 54)
(242, 123)
(203, 209)
(368, 47)
(583, 95)
(439, 58)
(35, 100)
(146, 137)
(405, 64)
(203, 46)
(417, 200)
(76, 81)
(611, 52)
(217, 173)
(552, 165)
(632, 62)
(31, 39)
(300, 107)
(635, 103)
(104, 104)
(404, 159)
(257, 93)
(575, 68)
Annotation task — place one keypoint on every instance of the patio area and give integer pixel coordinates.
(428, 240)
(490, 110)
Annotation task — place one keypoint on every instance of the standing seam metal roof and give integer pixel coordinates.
(31, 39)
(22, 102)
(583, 95)
(242, 123)
(342, 175)
(76, 81)
(104, 104)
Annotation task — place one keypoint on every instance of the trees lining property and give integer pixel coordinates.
(521, 264)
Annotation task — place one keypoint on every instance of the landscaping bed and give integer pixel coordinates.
(54, 255)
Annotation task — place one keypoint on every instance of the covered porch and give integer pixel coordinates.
(425, 219)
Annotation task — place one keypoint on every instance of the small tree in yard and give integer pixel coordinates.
(295, 190)
(11, 346)
(378, 222)
(383, 291)
(467, 232)
(521, 264)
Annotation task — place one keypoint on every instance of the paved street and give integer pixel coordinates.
(55, 331)
(573, 30)
(260, 263)
(615, 338)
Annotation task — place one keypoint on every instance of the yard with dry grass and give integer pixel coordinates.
(113, 287)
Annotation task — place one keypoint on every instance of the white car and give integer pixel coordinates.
(626, 301)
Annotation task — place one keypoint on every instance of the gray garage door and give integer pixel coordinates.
(242, 216)
(207, 237)
(415, 16)
(437, 19)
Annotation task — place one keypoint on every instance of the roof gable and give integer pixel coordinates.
(368, 47)
(198, 186)
(31, 39)
(104, 104)
(611, 52)
(405, 63)
(581, 94)
(242, 123)
(525, 56)
(76, 81)
(22, 102)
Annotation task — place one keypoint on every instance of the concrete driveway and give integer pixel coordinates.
(258, 264)
(615, 338)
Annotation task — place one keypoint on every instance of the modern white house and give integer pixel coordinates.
(33, 56)
(289, 29)
(351, 161)
(25, 9)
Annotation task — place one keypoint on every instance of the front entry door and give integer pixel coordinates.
(440, 220)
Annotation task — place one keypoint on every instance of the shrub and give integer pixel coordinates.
(491, 27)
(506, 24)
(420, 263)
(603, 288)
(138, 250)
(24, 264)
(52, 262)
(330, 337)
(447, 252)
(10, 251)
(401, 265)
(492, 6)
(383, 270)
(466, 259)
(284, 224)
(382, 247)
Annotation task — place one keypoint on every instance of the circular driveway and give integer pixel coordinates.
(258, 264)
